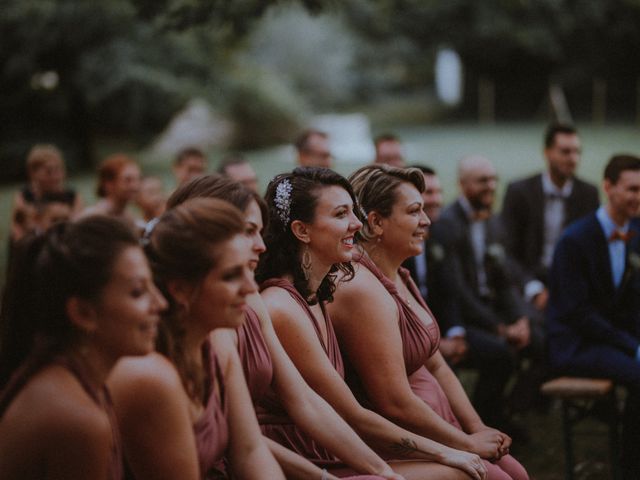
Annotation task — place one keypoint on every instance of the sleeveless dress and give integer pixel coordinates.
(419, 343)
(211, 430)
(102, 398)
(274, 421)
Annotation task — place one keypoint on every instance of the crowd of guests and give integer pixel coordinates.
(315, 332)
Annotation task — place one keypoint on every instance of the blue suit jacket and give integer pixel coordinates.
(584, 306)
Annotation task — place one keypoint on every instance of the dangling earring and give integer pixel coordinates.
(306, 263)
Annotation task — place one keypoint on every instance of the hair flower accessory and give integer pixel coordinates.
(283, 201)
(148, 229)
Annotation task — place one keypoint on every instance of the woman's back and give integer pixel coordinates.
(68, 436)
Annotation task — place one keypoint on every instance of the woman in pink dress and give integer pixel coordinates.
(182, 410)
(310, 241)
(78, 298)
(389, 335)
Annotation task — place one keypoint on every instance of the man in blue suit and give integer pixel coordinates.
(593, 313)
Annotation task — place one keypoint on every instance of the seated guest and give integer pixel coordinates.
(313, 150)
(430, 271)
(505, 328)
(239, 169)
(189, 163)
(151, 198)
(594, 297)
(268, 369)
(389, 335)
(46, 172)
(389, 150)
(182, 410)
(78, 298)
(118, 185)
(536, 209)
(309, 242)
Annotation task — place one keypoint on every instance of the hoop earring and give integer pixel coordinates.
(306, 263)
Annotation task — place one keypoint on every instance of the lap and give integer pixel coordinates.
(603, 361)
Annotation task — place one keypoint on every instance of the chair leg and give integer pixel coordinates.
(614, 437)
(567, 432)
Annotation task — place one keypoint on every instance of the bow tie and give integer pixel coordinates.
(619, 235)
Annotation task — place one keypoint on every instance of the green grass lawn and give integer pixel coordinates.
(516, 150)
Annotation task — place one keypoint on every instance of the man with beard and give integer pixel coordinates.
(491, 309)
(536, 209)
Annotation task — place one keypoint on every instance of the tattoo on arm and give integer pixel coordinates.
(406, 447)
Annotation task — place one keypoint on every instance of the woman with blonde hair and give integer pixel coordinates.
(390, 337)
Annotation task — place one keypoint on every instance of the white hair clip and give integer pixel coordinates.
(282, 201)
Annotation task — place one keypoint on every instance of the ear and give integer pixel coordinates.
(82, 313)
(301, 231)
(606, 185)
(375, 221)
(181, 291)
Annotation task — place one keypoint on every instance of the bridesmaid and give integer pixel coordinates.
(78, 298)
(265, 364)
(182, 410)
(389, 334)
(310, 242)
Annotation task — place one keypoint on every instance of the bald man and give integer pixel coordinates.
(497, 322)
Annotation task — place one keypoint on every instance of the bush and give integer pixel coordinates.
(264, 110)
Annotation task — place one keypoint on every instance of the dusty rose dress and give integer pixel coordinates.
(419, 343)
(103, 399)
(211, 429)
(258, 369)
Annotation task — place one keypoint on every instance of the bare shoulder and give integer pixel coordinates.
(280, 305)
(142, 379)
(58, 409)
(362, 295)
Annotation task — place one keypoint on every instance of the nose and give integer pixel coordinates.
(258, 244)
(424, 219)
(160, 303)
(355, 224)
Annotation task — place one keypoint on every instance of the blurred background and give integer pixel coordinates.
(450, 77)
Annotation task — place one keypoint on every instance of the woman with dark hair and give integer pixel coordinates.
(78, 298)
(389, 335)
(182, 410)
(310, 243)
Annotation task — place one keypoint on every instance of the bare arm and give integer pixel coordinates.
(295, 466)
(153, 415)
(365, 317)
(302, 345)
(79, 447)
(249, 455)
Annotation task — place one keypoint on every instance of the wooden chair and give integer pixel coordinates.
(578, 397)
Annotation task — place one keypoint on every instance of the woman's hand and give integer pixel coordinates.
(505, 444)
(487, 443)
(470, 463)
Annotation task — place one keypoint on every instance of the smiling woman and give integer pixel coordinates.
(381, 315)
(79, 297)
(181, 410)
